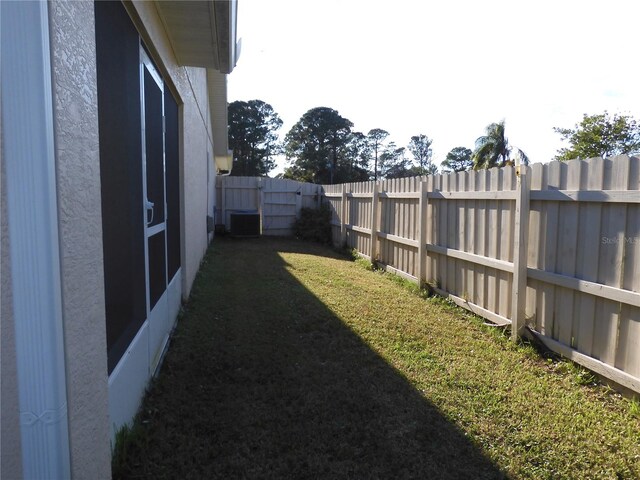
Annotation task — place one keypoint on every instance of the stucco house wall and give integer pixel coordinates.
(76, 133)
(75, 103)
(197, 140)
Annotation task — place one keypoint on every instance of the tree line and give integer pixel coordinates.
(322, 147)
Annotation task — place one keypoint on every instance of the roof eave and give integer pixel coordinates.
(203, 34)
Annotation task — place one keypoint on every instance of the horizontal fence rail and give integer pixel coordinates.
(553, 247)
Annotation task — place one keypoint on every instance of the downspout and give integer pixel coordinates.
(29, 156)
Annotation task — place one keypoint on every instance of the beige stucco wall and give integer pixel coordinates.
(196, 140)
(80, 223)
(75, 103)
(78, 172)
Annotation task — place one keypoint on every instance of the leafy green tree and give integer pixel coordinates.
(376, 137)
(416, 171)
(253, 137)
(430, 169)
(420, 148)
(600, 135)
(357, 155)
(316, 144)
(458, 160)
(394, 162)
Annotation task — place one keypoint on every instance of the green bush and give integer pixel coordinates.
(314, 224)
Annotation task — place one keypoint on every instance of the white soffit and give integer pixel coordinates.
(202, 33)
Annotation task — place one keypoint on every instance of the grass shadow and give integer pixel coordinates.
(263, 380)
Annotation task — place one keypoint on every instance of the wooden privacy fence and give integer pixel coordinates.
(277, 201)
(555, 247)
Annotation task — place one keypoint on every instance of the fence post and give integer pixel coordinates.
(519, 292)
(260, 187)
(429, 227)
(343, 216)
(223, 202)
(422, 233)
(374, 223)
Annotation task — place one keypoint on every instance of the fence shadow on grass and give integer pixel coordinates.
(262, 380)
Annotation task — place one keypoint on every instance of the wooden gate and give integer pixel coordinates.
(277, 201)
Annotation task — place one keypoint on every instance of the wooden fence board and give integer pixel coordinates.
(450, 235)
(505, 245)
(567, 246)
(588, 253)
(469, 220)
(492, 244)
(480, 239)
(549, 251)
(611, 257)
(628, 355)
(441, 216)
(460, 241)
(533, 251)
(429, 235)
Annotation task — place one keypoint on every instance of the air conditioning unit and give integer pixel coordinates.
(245, 224)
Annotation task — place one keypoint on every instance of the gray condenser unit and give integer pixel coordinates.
(245, 224)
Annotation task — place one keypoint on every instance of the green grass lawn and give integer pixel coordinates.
(292, 361)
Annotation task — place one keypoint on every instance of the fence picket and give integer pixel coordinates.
(628, 355)
(568, 215)
(550, 245)
(374, 223)
(460, 240)
(470, 246)
(505, 247)
(534, 249)
(343, 215)
(481, 219)
(611, 261)
(492, 247)
(422, 234)
(430, 239)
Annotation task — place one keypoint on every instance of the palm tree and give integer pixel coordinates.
(493, 150)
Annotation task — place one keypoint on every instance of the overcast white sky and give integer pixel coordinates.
(445, 68)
